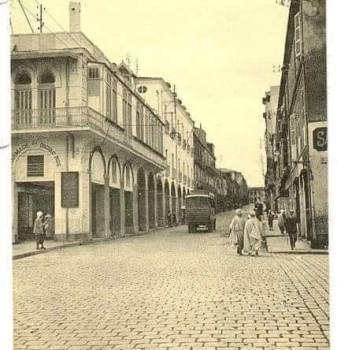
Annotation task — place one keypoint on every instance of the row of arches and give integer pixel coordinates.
(138, 199)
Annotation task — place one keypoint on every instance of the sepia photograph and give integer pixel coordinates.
(168, 183)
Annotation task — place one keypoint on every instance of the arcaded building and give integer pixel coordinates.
(86, 146)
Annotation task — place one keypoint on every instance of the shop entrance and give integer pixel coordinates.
(33, 197)
(97, 210)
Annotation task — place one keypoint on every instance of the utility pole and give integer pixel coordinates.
(40, 18)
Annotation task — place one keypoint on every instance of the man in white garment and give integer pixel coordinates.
(252, 235)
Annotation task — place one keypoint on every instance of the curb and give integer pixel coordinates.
(79, 243)
(299, 252)
(38, 252)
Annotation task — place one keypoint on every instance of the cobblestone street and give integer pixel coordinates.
(170, 290)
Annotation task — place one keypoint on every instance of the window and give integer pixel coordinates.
(93, 81)
(127, 177)
(129, 119)
(46, 97)
(108, 96)
(298, 41)
(114, 101)
(125, 108)
(23, 99)
(93, 73)
(35, 165)
(114, 171)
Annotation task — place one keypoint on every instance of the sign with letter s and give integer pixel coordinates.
(320, 139)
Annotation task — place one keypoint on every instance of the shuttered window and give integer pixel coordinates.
(298, 40)
(23, 106)
(35, 165)
(47, 104)
(93, 81)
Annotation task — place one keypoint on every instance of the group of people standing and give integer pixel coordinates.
(246, 235)
(43, 226)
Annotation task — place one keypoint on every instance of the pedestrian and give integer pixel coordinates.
(38, 230)
(252, 235)
(291, 228)
(236, 228)
(49, 226)
(174, 219)
(281, 220)
(271, 217)
(169, 219)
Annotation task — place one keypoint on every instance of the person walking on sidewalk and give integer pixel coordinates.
(252, 235)
(38, 230)
(236, 228)
(291, 228)
(271, 217)
(281, 220)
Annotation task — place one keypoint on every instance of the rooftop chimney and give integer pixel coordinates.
(74, 16)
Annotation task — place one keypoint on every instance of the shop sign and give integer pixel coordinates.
(69, 189)
(35, 142)
(320, 139)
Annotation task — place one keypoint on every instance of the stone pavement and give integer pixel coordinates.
(170, 290)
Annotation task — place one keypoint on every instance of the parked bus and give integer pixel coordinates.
(200, 211)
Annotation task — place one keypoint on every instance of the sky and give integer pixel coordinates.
(219, 53)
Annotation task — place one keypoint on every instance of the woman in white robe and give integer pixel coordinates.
(252, 235)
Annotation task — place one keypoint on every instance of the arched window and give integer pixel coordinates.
(114, 171)
(46, 97)
(23, 98)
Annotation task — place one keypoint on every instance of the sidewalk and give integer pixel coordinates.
(28, 248)
(278, 243)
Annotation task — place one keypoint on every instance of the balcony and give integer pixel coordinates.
(81, 119)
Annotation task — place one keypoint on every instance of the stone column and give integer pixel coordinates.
(177, 208)
(146, 196)
(155, 202)
(107, 218)
(122, 209)
(135, 207)
(164, 203)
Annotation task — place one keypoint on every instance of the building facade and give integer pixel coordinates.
(206, 176)
(301, 127)
(257, 194)
(177, 179)
(86, 146)
(270, 101)
(237, 189)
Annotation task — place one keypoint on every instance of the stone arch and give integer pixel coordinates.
(128, 181)
(114, 193)
(97, 169)
(114, 160)
(97, 150)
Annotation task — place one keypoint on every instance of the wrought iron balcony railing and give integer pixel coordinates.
(78, 118)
